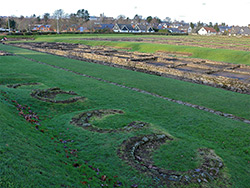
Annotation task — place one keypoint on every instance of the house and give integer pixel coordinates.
(225, 29)
(164, 25)
(82, 29)
(108, 27)
(240, 31)
(124, 28)
(94, 18)
(176, 30)
(44, 28)
(4, 30)
(143, 29)
(185, 28)
(207, 31)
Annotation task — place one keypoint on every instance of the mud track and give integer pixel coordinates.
(217, 74)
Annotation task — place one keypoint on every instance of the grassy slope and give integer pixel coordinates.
(218, 99)
(191, 128)
(230, 56)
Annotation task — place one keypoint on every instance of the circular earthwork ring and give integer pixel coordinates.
(83, 120)
(137, 152)
(49, 95)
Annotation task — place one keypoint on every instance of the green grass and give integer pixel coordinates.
(225, 55)
(30, 152)
(218, 99)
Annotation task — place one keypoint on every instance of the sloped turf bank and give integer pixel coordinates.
(192, 128)
(51, 155)
(217, 99)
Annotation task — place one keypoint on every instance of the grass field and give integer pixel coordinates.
(50, 154)
(225, 55)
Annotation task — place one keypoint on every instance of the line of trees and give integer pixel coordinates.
(58, 19)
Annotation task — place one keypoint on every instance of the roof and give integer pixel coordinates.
(128, 26)
(210, 30)
(175, 30)
(106, 26)
(240, 30)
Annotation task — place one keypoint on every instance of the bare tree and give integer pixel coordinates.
(46, 18)
(58, 16)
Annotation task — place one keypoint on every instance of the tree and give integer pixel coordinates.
(192, 25)
(200, 24)
(1, 20)
(137, 18)
(216, 27)
(11, 23)
(38, 19)
(83, 14)
(46, 17)
(149, 19)
(58, 15)
(167, 19)
(156, 20)
(210, 24)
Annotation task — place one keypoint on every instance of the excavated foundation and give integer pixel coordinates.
(2, 53)
(21, 84)
(218, 74)
(137, 152)
(49, 95)
(83, 120)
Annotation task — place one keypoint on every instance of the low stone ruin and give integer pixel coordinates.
(2, 53)
(137, 151)
(218, 74)
(48, 95)
(83, 120)
(21, 84)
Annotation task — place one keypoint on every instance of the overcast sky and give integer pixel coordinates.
(231, 12)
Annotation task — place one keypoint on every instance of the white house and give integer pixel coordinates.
(143, 29)
(207, 31)
(124, 28)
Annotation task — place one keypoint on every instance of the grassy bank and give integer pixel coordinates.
(218, 99)
(31, 155)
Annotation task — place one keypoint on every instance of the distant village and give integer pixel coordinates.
(79, 22)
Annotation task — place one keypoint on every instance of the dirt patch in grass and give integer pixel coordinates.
(49, 95)
(137, 152)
